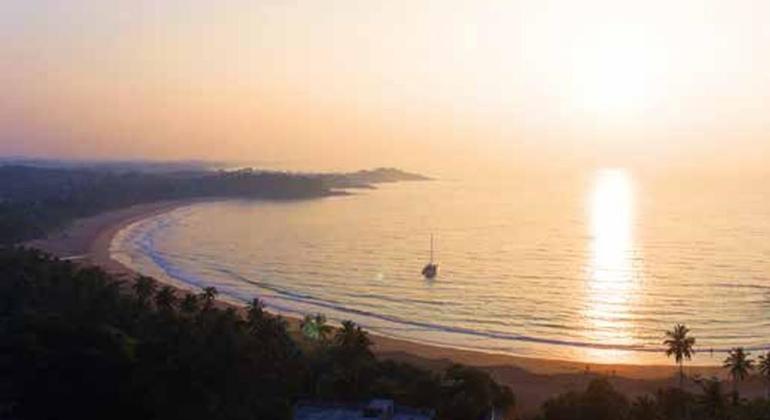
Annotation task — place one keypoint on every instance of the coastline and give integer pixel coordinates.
(532, 380)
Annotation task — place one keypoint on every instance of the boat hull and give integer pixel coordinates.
(430, 271)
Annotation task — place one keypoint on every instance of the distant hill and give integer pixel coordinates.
(35, 200)
(121, 166)
(384, 175)
(366, 178)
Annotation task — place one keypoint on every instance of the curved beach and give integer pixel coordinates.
(532, 379)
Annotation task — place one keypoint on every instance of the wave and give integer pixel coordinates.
(144, 241)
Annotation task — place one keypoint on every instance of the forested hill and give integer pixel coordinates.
(369, 177)
(35, 200)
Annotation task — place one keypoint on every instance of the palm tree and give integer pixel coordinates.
(764, 369)
(712, 400)
(256, 317)
(144, 287)
(739, 364)
(255, 311)
(315, 328)
(353, 358)
(680, 346)
(208, 296)
(165, 299)
(189, 304)
(645, 408)
(351, 336)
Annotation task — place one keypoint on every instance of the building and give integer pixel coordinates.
(378, 409)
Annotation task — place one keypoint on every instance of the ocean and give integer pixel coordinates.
(591, 267)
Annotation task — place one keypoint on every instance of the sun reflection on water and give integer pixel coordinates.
(611, 275)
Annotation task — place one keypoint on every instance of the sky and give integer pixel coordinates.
(341, 84)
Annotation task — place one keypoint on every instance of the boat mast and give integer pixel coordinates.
(431, 248)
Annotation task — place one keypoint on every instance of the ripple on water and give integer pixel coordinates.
(506, 283)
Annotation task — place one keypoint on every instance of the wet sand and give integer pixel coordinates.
(87, 241)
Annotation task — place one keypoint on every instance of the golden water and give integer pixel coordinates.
(591, 267)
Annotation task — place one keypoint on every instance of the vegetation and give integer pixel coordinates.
(35, 200)
(601, 401)
(598, 402)
(77, 343)
(764, 369)
(314, 327)
(679, 345)
(713, 401)
(739, 366)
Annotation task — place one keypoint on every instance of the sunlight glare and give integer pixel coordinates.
(614, 73)
(611, 271)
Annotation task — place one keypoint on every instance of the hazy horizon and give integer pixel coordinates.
(434, 85)
(594, 210)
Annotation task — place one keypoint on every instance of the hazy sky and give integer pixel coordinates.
(350, 83)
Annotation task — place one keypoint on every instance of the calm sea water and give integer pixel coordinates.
(590, 268)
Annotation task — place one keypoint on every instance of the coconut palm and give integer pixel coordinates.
(315, 328)
(189, 304)
(764, 368)
(165, 299)
(144, 288)
(255, 311)
(740, 365)
(679, 345)
(208, 296)
(712, 399)
(645, 408)
(352, 355)
(352, 337)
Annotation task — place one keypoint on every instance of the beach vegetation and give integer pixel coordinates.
(679, 345)
(601, 401)
(764, 369)
(77, 342)
(739, 365)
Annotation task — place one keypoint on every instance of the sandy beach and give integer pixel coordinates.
(533, 380)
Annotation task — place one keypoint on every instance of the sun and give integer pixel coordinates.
(615, 74)
(612, 82)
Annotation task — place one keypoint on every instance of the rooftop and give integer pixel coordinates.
(379, 409)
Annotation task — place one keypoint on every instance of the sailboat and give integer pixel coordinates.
(431, 269)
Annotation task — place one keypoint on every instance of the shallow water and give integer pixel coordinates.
(588, 268)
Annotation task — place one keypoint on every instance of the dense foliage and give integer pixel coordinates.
(77, 343)
(601, 402)
(35, 200)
